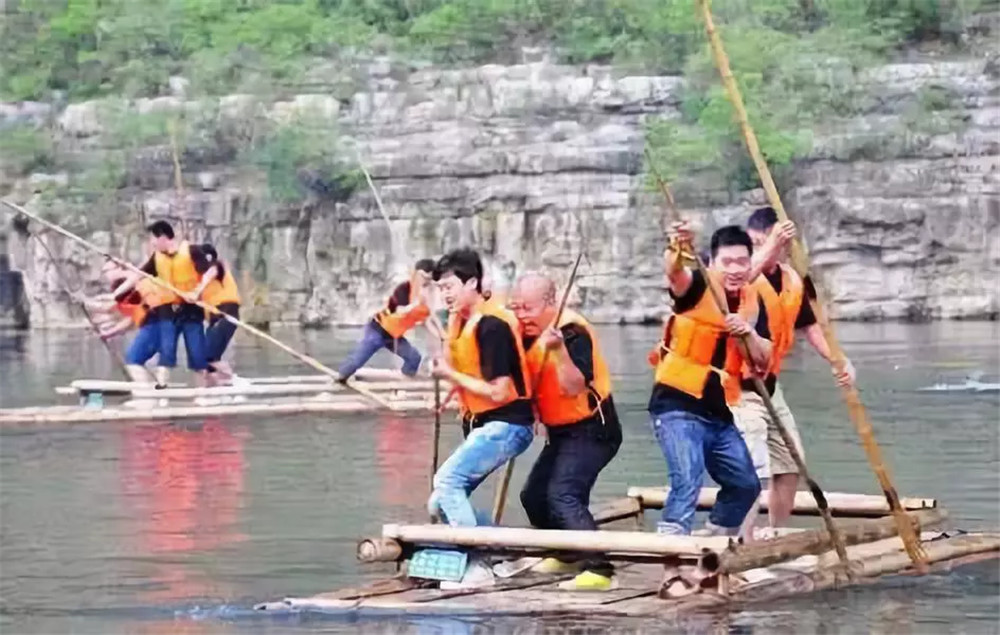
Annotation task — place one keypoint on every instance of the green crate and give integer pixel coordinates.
(438, 564)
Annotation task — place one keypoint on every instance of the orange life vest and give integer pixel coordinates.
(463, 353)
(556, 408)
(690, 338)
(397, 324)
(177, 269)
(222, 292)
(782, 311)
(150, 295)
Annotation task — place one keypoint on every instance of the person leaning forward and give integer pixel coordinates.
(484, 359)
(573, 400)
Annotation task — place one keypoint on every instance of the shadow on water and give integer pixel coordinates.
(181, 527)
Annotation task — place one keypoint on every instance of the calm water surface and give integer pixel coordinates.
(181, 527)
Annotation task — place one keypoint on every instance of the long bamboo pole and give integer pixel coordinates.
(800, 260)
(247, 327)
(115, 354)
(720, 300)
(500, 500)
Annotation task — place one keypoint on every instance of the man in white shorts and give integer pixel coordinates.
(783, 292)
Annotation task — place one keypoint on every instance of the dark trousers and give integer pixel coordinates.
(557, 492)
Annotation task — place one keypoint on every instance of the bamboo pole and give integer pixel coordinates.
(842, 504)
(263, 391)
(500, 500)
(800, 260)
(718, 295)
(768, 552)
(76, 414)
(115, 354)
(557, 539)
(247, 327)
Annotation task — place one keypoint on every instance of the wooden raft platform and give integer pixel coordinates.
(637, 594)
(104, 400)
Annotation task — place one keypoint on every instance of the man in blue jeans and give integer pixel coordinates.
(699, 365)
(485, 361)
(175, 262)
(406, 308)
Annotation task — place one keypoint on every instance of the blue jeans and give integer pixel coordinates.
(373, 339)
(691, 444)
(158, 336)
(194, 343)
(484, 450)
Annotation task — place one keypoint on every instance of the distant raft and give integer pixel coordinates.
(103, 400)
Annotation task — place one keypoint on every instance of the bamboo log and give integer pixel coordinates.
(800, 260)
(616, 510)
(77, 414)
(842, 504)
(869, 567)
(379, 550)
(362, 374)
(768, 552)
(561, 540)
(279, 389)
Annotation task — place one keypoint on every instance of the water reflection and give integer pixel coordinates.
(183, 488)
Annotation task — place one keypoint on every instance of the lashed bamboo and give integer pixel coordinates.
(363, 374)
(591, 541)
(280, 389)
(842, 504)
(800, 260)
(78, 414)
(768, 552)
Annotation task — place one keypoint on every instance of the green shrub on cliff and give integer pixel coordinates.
(132, 47)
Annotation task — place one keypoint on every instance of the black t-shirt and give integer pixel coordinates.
(803, 319)
(498, 358)
(183, 311)
(581, 351)
(713, 400)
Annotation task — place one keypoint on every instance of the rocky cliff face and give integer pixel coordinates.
(533, 162)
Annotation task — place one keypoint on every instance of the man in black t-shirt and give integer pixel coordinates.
(571, 388)
(485, 362)
(697, 378)
(790, 296)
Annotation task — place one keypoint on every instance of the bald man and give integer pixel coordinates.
(572, 397)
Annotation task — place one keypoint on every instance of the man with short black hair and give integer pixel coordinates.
(485, 361)
(175, 262)
(406, 308)
(697, 378)
(784, 293)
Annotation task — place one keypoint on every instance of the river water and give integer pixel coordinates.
(181, 527)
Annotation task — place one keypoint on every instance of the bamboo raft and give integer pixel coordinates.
(797, 562)
(102, 400)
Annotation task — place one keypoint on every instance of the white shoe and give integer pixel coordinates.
(477, 575)
(239, 382)
(207, 401)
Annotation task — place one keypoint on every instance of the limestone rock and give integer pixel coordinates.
(533, 162)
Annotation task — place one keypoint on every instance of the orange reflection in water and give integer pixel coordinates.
(184, 489)
(404, 466)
